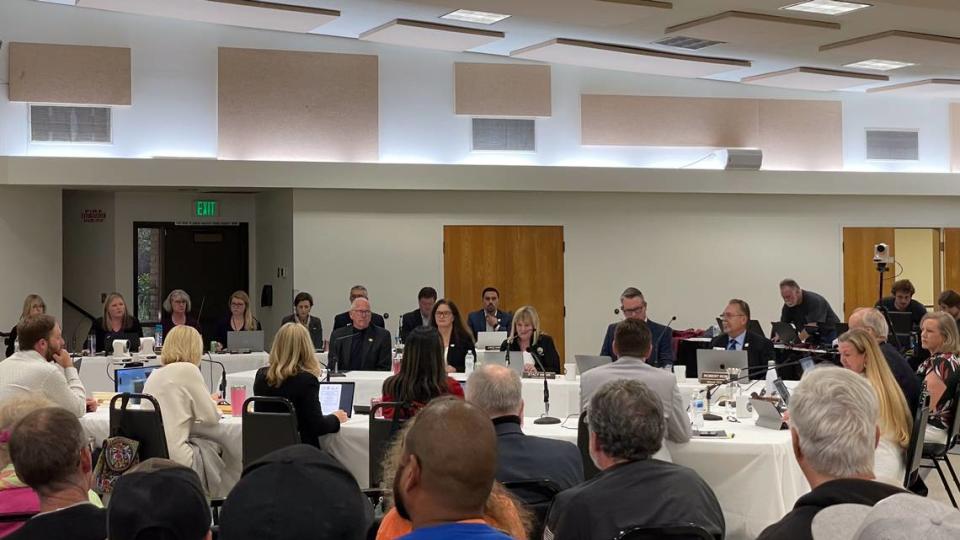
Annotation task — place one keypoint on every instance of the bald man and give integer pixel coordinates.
(360, 346)
(446, 473)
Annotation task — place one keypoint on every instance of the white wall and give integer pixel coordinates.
(274, 234)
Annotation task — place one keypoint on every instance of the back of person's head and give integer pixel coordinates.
(158, 500)
(871, 320)
(626, 418)
(49, 450)
(292, 352)
(12, 410)
(833, 418)
(423, 374)
(632, 337)
(948, 330)
(496, 389)
(297, 492)
(182, 344)
(33, 329)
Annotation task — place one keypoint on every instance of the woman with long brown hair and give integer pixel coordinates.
(457, 339)
(423, 374)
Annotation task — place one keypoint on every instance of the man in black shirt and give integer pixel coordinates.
(833, 424)
(360, 346)
(49, 451)
(632, 489)
(902, 300)
(808, 312)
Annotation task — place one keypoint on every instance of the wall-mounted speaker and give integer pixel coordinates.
(744, 159)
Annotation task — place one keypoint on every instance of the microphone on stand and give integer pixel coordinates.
(545, 418)
(223, 375)
(711, 387)
(506, 357)
(336, 358)
(656, 343)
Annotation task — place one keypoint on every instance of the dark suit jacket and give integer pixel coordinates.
(907, 379)
(549, 357)
(376, 350)
(408, 323)
(522, 457)
(314, 326)
(477, 321)
(457, 351)
(759, 351)
(661, 350)
(303, 390)
(343, 319)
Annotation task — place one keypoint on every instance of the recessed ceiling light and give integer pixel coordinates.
(479, 17)
(879, 65)
(827, 7)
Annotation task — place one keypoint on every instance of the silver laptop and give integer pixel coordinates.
(711, 360)
(490, 340)
(587, 362)
(251, 341)
(500, 358)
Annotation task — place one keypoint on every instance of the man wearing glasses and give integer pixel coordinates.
(736, 337)
(633, 306)
(361, 345)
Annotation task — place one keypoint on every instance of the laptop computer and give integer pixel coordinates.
(337, 395)
(245, 341)
(131, 379)
(490, 340)
(786, 331)
(500, 358)
(587, 362)
(901, 322)
(711, 360)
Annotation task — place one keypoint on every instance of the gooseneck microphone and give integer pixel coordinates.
(223, 375)
(750, 370)
(335, 358)
(545, 418)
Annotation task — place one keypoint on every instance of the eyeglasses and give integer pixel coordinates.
(444, 314)
(362, 312)
(237, 304)
(632, 311)
(731, 315)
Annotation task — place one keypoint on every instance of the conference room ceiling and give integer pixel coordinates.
(755, 37)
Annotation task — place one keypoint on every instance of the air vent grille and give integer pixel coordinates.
(53, 123)
(893, 145)
(504, 135)
(688, 43)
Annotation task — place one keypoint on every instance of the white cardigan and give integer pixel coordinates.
(184, 401)
(29, 371)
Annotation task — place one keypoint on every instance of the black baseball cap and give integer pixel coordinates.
(158, 500)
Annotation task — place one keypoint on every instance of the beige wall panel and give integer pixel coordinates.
(801, 135)
(502, 89)
(76, 74)
(297, 106)
(667, 121)
(955, 137)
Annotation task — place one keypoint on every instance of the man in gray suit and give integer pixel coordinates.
(631, 344)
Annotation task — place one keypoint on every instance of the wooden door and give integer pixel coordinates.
(861, 282)
(951, 259)
(525, 263)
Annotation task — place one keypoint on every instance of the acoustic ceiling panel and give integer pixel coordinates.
(801, 135)
(428, 35)
(584, 13)
(74, 74)
(808, 78)
(932, 88)
(913, 47)
(754, 29)
(517, 90)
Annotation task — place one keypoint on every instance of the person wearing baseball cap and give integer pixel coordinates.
(158, 500)
(899, 517)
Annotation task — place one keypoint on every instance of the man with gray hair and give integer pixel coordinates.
(833, 425)
(360, 346)
(626, 430)
(497, 390)
(871, 320)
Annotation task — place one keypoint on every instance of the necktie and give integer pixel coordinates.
(732, 345)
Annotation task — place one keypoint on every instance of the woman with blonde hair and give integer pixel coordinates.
(526, 336)
(860, 353)
(939, 335)
(116, 321)
(241, 318)
(293, 373)
(32, 305)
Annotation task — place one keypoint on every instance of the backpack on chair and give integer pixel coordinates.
(118, 455)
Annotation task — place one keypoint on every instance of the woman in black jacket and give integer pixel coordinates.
(525, 335)
(457, 339)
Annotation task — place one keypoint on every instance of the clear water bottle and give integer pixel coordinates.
(770, 387)
(397, 357)
(698, 407)
(469, 363)
(93, 344)
(158, 335)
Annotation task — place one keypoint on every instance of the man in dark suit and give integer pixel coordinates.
(633, 306)
(427, 297)
(871, 320)
(360, 346)
(736, 337)
(343, 319)
(490, 318)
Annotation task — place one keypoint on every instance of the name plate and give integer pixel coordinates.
(714, 377)
(495, 348)
(540, 375)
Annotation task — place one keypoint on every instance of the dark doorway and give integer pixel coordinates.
(209, 262)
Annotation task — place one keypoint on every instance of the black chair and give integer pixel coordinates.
(537, 496)
(687, 531)
(915, 448)
(143, 425)
(382, 433)
(18, 517)
(272, 425)
(583, 443)
(216, 505)
(937, 452)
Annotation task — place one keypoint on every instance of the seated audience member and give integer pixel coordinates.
(902, 293)
(158, 499)
(279, 497)
(423, 375)
(302, 304)
(185, 405)
(631, 343)
(293, 374)
(525, 335)
(446, 473)
(43, 366)
(498, 391)
(420, 316)
(634, 307)
(949, 302)
(176, 312)
(15, 496)
(344, 319)
(897, 517)
(115, 323)
(457, 341)
(501, 511)
(360, 346)
(633, 489)
(736, 337)
(834, 426)
(32, 305)
(875, 324)
(859, 353)
(241, 318)
(489, 318)
(50, 454)
(939, 335)
(808, 312)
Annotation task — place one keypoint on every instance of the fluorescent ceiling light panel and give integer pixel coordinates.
(879, 65)
(827, 7)
(479, 17)
(64, 2)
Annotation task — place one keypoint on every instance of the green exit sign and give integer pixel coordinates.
(206, 208)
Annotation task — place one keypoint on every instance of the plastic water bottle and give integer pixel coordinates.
(771, 377)
(469, 363)
(698, 408)
(158, 335)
